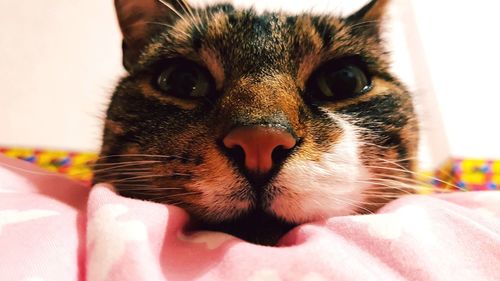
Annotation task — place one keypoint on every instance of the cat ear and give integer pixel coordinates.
(374, 11)
(136, 17)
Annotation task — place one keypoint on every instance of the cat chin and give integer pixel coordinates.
(256, 226)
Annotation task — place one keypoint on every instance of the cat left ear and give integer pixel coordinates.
(374, 11)
(135, 18)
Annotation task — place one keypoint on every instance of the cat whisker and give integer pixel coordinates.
(179, 174)
(161, 156)
(172, 27)
(413, 173)
(353, 203)
(102, 166)
(414, 185)
(127, 167)
(115, 164)
(383, 194)
(378, 184)
(386, 187)
(398, 160)
(122, 166)
(148, 188)
(169, 6)
(418, 174)
(394, 178)
(147, 193)
(161, 24)
(94, 172)
(364, 23)
(397, 181)
(392, 162)
(101, 173)
(187, 9)
(29, 171)
(139, 175)
(122, 170)
(136, 178)
(173, 196)
(112, 175)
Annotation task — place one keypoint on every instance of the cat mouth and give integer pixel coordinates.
(256, 223)
(256, 226)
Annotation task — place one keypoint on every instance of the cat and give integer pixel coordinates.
(257, 122)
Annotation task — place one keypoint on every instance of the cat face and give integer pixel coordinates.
(253, 122)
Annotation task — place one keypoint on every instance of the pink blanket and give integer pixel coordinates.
(52, 228)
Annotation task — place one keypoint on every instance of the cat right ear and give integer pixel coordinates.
(371, 14)
(374, 10)
(136, 18)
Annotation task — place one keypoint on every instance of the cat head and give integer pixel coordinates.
(255, 122)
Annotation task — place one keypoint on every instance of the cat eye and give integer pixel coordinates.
(184, 79)
(340, 80)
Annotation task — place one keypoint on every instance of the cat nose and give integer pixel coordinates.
(258, 145)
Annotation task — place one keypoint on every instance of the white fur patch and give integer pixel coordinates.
(333, 186)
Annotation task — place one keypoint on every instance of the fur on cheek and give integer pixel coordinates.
(223, 193)
(332, 186)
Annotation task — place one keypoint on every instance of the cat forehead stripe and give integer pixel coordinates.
(290, 44)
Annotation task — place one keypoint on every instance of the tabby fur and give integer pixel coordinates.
(352, 156)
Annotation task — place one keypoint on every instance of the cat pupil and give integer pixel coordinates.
(185, 82)
(343, 82)
(338, 84)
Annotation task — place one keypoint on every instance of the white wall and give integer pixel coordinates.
(60, 60)
(461, 45)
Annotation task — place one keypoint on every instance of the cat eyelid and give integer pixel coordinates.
(359, 79)
(216, 75)
(161, 64)
(173, 67)
(340, 61)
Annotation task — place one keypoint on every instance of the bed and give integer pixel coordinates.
(53, 227)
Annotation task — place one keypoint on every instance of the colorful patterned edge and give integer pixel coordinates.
(455, 174)
(468, 175)
(76, 165)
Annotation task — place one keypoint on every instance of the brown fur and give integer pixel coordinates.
(261, 66)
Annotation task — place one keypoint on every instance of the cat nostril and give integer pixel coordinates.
(280, 154)
(262, 147)
(237, 154)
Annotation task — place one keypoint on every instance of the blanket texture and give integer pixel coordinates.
(52, 228)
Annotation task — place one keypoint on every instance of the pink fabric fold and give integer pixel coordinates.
(52, 228)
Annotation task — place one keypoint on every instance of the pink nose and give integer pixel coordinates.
(258, 144)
